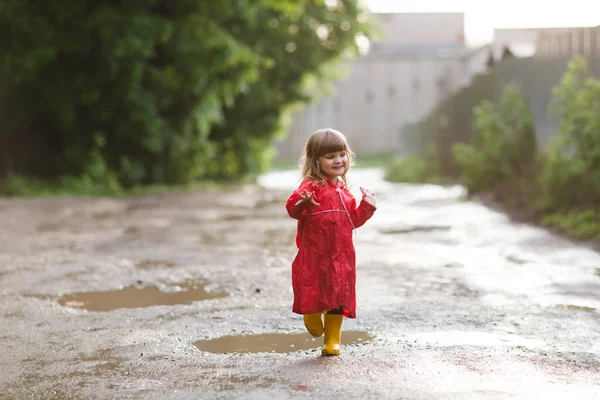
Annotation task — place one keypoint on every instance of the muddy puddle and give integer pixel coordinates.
(138, 297)
(274, 342)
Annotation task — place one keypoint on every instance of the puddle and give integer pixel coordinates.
(107, 366)
(137, 297)
(226, 383)
(233, 217)
(131, 230)
(516, 260)
(152, 264)
(417, 228)
(14, 315)
(574, 307)
(273, 342)
(48, 227)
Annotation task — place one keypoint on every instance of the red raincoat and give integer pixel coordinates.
(324, 270)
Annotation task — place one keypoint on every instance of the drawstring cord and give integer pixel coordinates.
(337, 189)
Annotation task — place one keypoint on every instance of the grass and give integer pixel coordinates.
(33, 187)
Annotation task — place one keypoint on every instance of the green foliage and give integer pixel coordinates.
(415, 168)
(152, 78)
(504, 146)
(18, 185)
(298, 49)
(375, 160)
(579, 224)
(450, 122)
(96, 178)
(561, 185)
(482, 162)
(571, 174)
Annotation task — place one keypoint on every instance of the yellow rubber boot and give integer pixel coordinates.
(314, 323)
(333, 335)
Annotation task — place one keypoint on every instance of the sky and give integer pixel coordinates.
(482, 16)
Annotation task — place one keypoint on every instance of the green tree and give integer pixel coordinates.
(132, 89)
(147, 76)
(299, 47)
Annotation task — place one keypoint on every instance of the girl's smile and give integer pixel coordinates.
(334, 165)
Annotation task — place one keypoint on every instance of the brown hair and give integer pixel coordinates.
(319, 143)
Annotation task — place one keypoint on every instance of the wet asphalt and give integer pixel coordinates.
(188, 296)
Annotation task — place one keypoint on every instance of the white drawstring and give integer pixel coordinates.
(325, 211)
(337, 189)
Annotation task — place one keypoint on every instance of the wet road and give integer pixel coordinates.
(188, 296)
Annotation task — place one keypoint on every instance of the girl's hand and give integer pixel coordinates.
(307, 197)
(368, 196)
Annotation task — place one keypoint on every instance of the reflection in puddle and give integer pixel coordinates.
(273, 342)
(136, 297)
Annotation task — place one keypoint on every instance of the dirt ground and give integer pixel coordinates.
(188, 296)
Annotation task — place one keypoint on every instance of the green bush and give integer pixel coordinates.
(504, 145)
(415, 168)
(560, 186)
(96, 178)
(579, 224)
(571, 173)
(450, 122)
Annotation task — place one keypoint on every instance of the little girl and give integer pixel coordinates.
(324, 270)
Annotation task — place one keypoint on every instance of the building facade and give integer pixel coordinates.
(421, 60)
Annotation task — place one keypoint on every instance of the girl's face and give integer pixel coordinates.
(334, 165)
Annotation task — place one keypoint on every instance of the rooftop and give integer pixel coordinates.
(386, 50)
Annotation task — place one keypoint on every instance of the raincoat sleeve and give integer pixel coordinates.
(298, 212)
(362, 213)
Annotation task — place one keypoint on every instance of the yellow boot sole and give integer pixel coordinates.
(330, 351)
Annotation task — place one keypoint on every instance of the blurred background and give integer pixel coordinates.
(113, 97)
